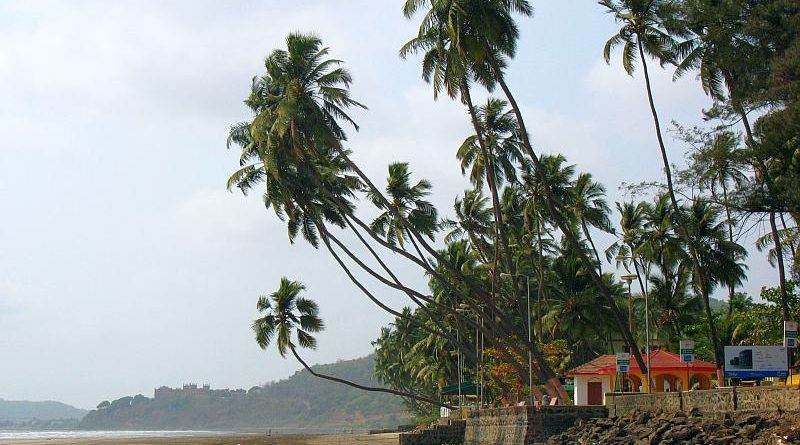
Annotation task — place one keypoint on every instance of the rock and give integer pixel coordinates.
(643, 418)
(749, 420)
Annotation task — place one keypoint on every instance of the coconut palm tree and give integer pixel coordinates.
(721, 259)
(473, 221)
(481, 35)
(291, 320)
(643, 34)
(588, 206)
(719, 164)
(409, 204)
(500, 133)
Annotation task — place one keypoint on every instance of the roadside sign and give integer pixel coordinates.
(756, 361)
(623, 362)
(790, 334)
(687, 351)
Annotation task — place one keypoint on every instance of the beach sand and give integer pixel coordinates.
(316, 439)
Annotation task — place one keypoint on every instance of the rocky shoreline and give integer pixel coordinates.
(647, 428)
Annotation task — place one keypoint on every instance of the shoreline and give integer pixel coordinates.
(221, 439)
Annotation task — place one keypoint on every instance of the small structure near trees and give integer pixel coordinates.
(668, 374)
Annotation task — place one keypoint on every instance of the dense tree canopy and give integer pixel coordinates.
(521, 241)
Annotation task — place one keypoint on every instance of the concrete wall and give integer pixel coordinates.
(523, 425)
(581, 392)
(710, 402)
(620, 404)
(775, 398)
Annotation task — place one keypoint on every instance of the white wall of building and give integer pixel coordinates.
(581, 395)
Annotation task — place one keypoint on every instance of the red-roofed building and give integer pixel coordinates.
(668, 373)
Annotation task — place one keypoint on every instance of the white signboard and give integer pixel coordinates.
(623, 362)
(756, 361)
(687, 351)
(790, 334)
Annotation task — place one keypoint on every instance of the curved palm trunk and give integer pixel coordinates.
(490, 179)
(467, 348)
(594, 248)
(368, 388)
(781, 270)
(502, 235)
(546, 374)
(701, 280)
(792, 247)
(558, 219)
(540, 284)
(731, 287)
(759, 165)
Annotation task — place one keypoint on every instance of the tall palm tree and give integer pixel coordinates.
(473, 220)
(643, 35)
(503, 153)
(291, 320)
(719, 47)
(721, 259)
(719, 164)
(481, 35)
(589, 208)
(627, 249)
(409, 204)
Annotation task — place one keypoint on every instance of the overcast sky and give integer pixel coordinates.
(124, 262)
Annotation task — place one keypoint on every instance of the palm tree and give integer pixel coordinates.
(409, 204)
(480, 35)
(721, 50)
(643, 35)
(291, 320)
(719, 257)
(626, 250)
(473, 220)
(589, 207)
(719, 164)
(503, 153)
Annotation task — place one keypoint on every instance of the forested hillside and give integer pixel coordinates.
(15, 411)
(299, 402)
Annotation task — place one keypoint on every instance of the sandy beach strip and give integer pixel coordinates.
(252, 439)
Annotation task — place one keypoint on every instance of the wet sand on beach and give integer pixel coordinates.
(316, 439)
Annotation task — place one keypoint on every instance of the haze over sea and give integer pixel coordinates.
(47, 435)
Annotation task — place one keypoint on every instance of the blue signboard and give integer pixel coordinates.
(756, 361)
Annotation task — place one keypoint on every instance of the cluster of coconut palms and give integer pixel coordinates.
(519, 244)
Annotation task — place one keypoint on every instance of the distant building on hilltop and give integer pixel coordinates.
(191, 389)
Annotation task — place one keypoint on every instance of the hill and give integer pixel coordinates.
(300, 402)
(38, 415)
(20, 411)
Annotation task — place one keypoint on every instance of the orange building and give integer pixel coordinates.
(667, 372)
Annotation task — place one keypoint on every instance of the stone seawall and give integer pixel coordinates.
(523, 425)
(503, 426)
(710, 402)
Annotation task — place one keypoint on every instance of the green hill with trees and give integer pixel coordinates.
(23, 414)
(300, 402)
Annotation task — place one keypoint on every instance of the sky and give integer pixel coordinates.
(124, 262)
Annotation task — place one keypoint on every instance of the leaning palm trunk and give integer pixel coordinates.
(545, 372)
(781, 269)
(558, 219)
(760, 166)
(369, 388)
(591, 243)
(682, 230)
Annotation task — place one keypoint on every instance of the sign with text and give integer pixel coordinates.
(623, 362)
(790, 334)
(755, 361)
(687, 351)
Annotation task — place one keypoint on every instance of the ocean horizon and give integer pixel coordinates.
(79, 434)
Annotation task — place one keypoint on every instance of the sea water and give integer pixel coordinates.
(46, 435)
